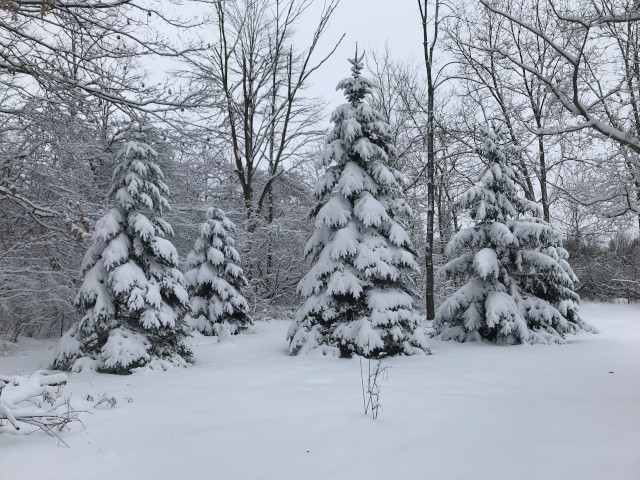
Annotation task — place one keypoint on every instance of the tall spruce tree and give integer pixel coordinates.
(133, 294)
(358, 294)
(519, 286)
(215, 279)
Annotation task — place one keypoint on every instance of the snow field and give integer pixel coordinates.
(246, 410)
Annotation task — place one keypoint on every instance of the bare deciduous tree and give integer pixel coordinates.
(597, 76)
(431, 24)
(256, 80)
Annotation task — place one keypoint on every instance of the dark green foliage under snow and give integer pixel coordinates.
(133, 294)
(519, 286)
(357, 293)
(215, 279)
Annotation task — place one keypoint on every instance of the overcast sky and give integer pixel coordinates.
(371, 23)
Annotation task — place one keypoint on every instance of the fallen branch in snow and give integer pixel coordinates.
(111, 402)
(35, 401)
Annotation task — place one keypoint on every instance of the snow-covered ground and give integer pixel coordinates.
(246, 410)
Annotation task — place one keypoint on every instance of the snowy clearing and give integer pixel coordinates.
(246, 410)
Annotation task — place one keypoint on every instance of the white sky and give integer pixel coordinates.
(370, 23)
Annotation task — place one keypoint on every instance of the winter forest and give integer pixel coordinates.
(231, 230)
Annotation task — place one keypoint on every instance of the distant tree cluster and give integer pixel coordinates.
(133, 293)
(451, 194)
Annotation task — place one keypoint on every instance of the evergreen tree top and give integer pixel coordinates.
(496, 197)
(360, 135)
(138, 181)
(215, 213)
(496, 148)
(356, 87)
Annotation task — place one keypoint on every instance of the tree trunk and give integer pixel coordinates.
(430, 140)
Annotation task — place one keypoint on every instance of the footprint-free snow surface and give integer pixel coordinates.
(247, 411)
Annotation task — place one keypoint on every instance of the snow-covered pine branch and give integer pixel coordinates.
(519, 286)
(358, 296)
(133, 294)
(215, 279)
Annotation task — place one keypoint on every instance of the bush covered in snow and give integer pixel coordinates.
(358, 297)
(519, 286)
(133, 294)
(215, 279)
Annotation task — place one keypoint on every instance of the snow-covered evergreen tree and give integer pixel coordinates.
(520, 287)
(215, 279)
(358, 297)
(133, 294)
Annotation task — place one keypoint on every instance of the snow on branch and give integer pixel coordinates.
(35, 403)
(572, 93)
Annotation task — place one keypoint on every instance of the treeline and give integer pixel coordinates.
(607, 272)
(239, 130)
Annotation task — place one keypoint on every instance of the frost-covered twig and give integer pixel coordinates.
(373, 387)
(623, 280)
(111, 402)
